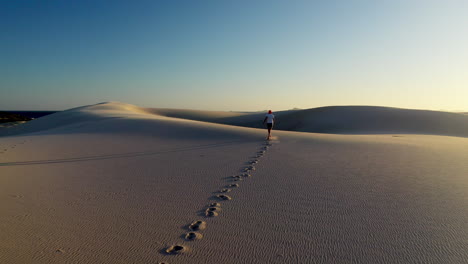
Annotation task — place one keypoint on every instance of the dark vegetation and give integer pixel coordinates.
(6, 117)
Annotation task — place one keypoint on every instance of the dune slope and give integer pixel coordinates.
(341, 120)
(112, 183)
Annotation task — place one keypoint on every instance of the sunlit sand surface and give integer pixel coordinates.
(115, 183)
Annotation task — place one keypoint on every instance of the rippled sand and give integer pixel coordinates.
(112, 183)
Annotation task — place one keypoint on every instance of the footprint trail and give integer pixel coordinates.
(214, 209)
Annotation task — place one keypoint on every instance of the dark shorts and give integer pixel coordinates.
(269, 125)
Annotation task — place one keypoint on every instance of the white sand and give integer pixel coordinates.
(112, 183)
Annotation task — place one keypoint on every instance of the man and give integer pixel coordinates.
(269, 120)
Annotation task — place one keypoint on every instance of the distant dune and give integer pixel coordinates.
(372, 119)
(341, 120)
(105, 117)
(331, 119)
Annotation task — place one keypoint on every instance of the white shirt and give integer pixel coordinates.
(270, 118)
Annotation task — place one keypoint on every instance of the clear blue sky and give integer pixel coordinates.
(234, 55)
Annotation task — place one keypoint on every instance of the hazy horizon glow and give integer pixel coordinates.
(240, 55)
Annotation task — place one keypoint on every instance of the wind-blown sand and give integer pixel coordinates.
(114, 183)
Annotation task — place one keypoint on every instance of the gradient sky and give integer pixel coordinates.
(234, 55)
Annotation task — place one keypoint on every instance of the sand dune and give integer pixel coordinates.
(107, 118)
(115, 183)
(246, 119)
(341, 120)
(372, 120)
(333, 119)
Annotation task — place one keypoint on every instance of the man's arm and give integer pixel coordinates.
(264, 120)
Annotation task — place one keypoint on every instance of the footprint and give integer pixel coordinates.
(234, 185)
(251, 167)
(193, 236)
(22, 216)
(60, 251)
(237, 178)
(224, 197)
(253, 161)
(211, 213)
(213, 209)
(197, 225)
(246, 175)
(214, 205)
(225, 190)
(176, 249)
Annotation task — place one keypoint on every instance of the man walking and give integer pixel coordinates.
(269, 120)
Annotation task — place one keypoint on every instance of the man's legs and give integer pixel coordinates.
(269, 130)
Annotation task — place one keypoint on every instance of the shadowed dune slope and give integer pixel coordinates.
(372, 119)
